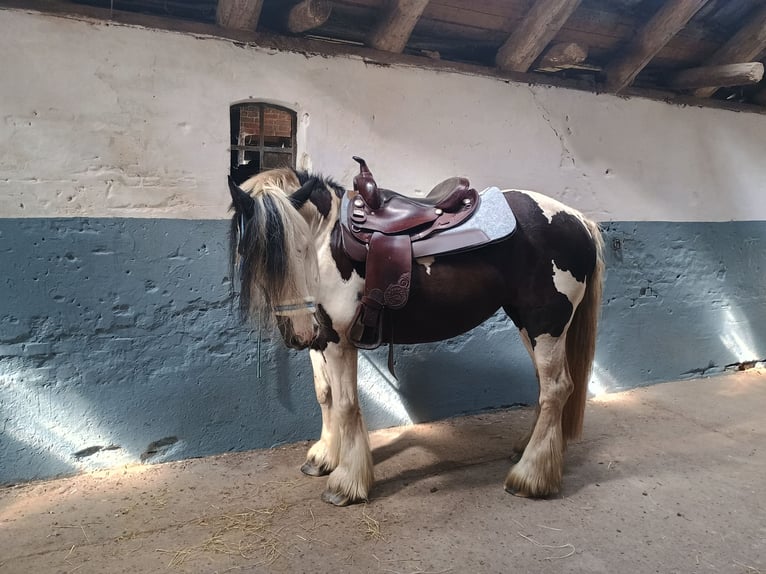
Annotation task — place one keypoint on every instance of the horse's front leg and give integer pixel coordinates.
(323, 456)
(352, 479)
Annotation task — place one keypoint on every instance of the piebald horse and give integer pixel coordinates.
(285, 241)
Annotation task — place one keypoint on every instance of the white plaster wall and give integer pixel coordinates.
(109, 120)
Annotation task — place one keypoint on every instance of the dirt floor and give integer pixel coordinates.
(670, 478)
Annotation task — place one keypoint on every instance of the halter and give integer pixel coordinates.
(295, 307)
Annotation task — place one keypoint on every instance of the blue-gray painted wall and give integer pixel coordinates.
(119, 333)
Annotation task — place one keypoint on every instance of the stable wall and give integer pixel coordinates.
(116, 327)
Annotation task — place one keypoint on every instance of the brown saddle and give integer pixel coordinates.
(380, 228)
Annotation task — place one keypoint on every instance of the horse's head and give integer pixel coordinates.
(272, 245)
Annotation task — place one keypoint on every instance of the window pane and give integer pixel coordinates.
(234, 125)
(275, 159)
(277, 128)
(244, 165)
(277, 141)
(249, 124)
(248, 157)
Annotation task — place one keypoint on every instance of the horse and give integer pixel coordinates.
(286, 242)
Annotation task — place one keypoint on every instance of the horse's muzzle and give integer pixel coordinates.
(297, 336)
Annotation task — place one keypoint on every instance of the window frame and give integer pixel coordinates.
(261, 148)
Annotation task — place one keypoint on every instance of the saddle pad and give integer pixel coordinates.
(492, 221)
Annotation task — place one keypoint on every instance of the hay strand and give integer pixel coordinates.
(551, 547)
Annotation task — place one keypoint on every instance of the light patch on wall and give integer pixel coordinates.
(380, 388)
(601, 382)
(45, 423)
(737, 336)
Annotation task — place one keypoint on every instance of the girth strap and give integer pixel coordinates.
(386, 285)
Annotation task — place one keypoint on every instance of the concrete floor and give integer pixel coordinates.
(670, 478)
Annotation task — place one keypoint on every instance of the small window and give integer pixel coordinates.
(262, 138)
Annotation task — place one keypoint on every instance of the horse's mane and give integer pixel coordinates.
(282, 179)
(268, 245)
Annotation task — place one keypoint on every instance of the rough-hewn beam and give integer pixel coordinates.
(393, 31)
(649, 40)
(742, 47)
(544, 19)
(563, 56)
(307, 15)
(717, 76)
(238, 14)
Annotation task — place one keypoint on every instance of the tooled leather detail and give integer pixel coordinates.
(396, 294)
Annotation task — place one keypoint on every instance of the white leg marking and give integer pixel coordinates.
(353, 477)
(540, 469)
(324, 453)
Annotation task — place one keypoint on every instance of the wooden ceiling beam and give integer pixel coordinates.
(238, 14)
(745, 45)
(393, 32)
(540, 25)
(649, 40)
(717, 76)
(308, 15)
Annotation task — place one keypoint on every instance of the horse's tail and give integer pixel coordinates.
(581, 341)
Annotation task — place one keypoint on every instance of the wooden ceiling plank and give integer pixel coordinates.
(540, 25)
(307, 15)
(717, 76)
(238, 14)
(393, 31)
(649, 40)
(745, 45)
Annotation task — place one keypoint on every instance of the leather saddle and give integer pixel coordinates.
(384, 229)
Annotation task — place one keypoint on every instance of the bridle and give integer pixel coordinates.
(295, 307)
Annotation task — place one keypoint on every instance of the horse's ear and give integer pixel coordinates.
(241, 200)
(304, 192)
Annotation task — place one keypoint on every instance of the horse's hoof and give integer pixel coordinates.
(511, 490)
(517, 486)
(335, 499)
(521, 493)
(311, 469)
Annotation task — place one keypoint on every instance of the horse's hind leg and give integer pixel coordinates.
(540, 469)
(521, 444)
(323, 456)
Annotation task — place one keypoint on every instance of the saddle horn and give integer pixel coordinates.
(364, 185)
